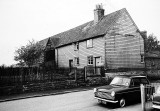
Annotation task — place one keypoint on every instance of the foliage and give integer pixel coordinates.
(30, 54)
(3, 66)
(152, 44)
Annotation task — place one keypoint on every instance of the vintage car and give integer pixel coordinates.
(122, 89)
(156, 99)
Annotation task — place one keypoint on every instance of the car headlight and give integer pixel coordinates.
(112, 93)
(94, 90)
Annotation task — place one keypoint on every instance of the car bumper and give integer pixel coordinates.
(111, 101)
(156, 106)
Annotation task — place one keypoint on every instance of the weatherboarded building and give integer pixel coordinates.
(110, 41)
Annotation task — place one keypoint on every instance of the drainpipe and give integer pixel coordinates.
(57, 56)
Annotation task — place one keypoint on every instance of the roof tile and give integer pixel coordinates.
(87, 30)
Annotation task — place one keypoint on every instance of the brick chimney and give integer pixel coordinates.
(144, 36)
(98, 13)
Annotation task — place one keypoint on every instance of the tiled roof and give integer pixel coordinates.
(152, 54)
(86, 31)
(43, 42)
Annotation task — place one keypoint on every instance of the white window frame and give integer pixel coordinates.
(90, 60)
(142, 58)
(89, 43)
(76, 59)
(76, 46)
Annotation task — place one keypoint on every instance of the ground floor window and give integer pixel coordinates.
(142, 58)
(76, 59)
(90, 60)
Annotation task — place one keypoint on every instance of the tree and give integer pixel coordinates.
(30, 54)
(152, 44)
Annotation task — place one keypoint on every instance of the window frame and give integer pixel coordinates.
(142, 58)
(76, 46)
(76, 61)
(89, 60)
(89, 43)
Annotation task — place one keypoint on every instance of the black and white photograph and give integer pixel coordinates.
(79, 55)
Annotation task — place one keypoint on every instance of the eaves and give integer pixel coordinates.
(62, 45)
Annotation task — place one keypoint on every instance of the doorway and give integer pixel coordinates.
(97, 65)
(70, 64)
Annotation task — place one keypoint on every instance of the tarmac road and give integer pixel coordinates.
(75, 101)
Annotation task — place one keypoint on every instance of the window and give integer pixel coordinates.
(76, 46)
(144, 81)
(90, 60)
(142, 58)
(76, 60)
(136, 82)
(89, 43)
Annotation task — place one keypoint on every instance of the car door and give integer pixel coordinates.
(136, 89)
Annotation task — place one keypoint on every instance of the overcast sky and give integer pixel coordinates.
(24, 20)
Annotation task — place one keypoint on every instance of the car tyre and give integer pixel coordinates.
(154, 109)
(122, 102)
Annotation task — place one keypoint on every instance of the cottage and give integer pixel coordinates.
(110, 41)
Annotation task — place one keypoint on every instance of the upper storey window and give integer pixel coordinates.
(89, 43)
(76, 46)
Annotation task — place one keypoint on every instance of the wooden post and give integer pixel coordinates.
(75, 72)
(85, 73)
(143, 97)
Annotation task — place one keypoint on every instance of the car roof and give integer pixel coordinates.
(132, 76)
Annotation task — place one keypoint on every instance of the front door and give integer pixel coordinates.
(97, 65)
(136, 89)
(70, 64)
(98, 61)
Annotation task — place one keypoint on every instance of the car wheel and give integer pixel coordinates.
(155, 109)
(122, 102)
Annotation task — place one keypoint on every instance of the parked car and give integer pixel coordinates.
(156, 99)
(122, 89)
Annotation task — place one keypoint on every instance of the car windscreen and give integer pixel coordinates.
(121, 81)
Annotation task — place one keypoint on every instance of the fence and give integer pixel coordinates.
(10, 76)
(91, 71)
(36, 77)
(19, 80)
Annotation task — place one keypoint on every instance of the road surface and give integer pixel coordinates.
(75, 101)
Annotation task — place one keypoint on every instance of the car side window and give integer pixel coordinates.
(136, 81)
(144, 81)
